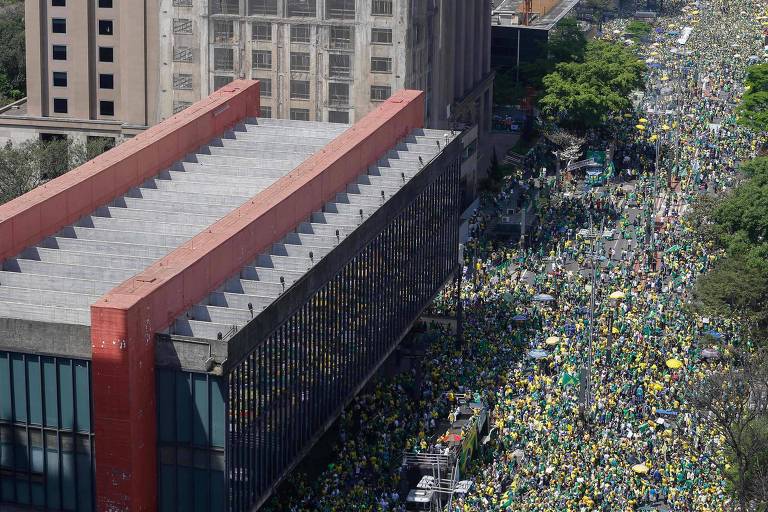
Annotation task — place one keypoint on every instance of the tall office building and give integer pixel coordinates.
(113, 68)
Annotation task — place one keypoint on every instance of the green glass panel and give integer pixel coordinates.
(35, 390)
(165, 408)
(84, 492)
(167, 488)
(6, 412)
(52, 478)
(19, 388)
(66, 394)
(69, 496)
(200, 427)
(217, 413)
(51, 392)
(218, 501)
(22, 492)
(201, 491)
(82, 396)
(183, 408)
(183, 485)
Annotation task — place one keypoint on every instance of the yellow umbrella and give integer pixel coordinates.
(643, 120)
(640, 127)
(674, 364)
(665, 127)
(653, 137)
(640, 469)
(618, 294)
(552, 340)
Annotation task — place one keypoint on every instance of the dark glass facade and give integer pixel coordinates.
(296, 378)
(46, 432)
(190, 434)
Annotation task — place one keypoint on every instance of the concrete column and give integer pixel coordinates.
(478, 36)
(459, 49)
(36, 56)
(487, 40)
(470, 39)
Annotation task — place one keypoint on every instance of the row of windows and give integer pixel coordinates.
(59, 26)
(103, 4)
(61, 106)
(335, 9)
(106, 53)
(106, 80)
(338, 93)
(340, 36)
(338, 65)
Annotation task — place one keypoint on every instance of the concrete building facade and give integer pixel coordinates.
(112, 68)
(183, 317)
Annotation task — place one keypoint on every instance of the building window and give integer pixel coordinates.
(220, 81)
(261, 31)
(338, 94)
(339, 65)
(182, 81)
(182, 26)
(58, 3)
(105, 4)
(265, 87)
(299, 61)
(59, 52)
(341, 38)
(380, 92)
(381, 8)
(262, 7)
(338, 117)
(381, 35)
(381, 65)
(59, 79)
(223, 59)
(225, 7)
(300, 114)
(265, 112)
(223, 31)
(299, 33)
(182, 54)
(107, 108)
(301, 8)
(106, 81)
(299, 90)
(106, 54)
(340, 9)
(106, 28)
(178, 106)
(60, 105)
(59, 26)
(261, 59)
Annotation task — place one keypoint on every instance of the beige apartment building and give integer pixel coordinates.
(114, 67)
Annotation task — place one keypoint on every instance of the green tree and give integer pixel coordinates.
(753, 111)
(638, 29)
(566, 42)
(12, 63)
(582, 95)
(30, 164)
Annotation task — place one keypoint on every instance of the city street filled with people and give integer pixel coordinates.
(582, 339)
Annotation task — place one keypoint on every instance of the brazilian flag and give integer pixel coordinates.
(566, 379)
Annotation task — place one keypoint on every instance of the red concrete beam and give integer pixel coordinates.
(43, 211)
(124, 321)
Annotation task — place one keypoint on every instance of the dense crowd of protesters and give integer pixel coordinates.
(536, 318)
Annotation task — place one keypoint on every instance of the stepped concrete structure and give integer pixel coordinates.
(202, 301)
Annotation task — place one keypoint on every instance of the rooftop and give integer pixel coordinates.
(508, 13)
(57, 279)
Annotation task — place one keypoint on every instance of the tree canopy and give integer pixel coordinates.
(753, 111)
(583, 94)
(12, 64)
(738, 223)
